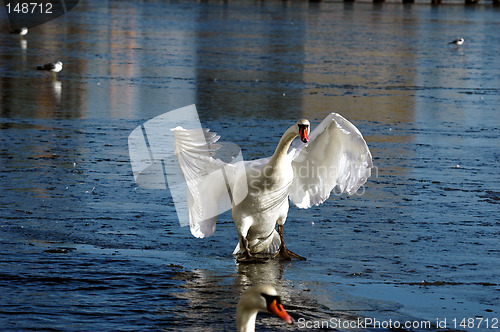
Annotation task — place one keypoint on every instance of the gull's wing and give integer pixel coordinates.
(209, 180)
(336, 156)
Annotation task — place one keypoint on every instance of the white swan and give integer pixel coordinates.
(255, 299)
(334, 155)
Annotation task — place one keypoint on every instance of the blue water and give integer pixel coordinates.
(82, 247)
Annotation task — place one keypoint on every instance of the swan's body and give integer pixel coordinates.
(306, 173)
(255, 299)
(266, 204)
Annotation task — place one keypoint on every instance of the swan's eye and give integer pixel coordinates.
(270, 299)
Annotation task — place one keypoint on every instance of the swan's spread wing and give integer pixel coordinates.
(336, 156)
(209, 180)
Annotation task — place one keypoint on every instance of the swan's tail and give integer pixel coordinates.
(270, 245)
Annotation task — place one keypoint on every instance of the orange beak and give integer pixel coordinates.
(304, 133)
(279, 311)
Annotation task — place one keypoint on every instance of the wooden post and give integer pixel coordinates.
(471, 2)
(496, 2)
(436, 2)
(408, 1)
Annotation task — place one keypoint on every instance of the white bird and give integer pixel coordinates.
(458, 41)
(21, 31)
(334, 155)
(255, 299)
(54, 67)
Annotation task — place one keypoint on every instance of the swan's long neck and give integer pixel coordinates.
(245, 319)
(282, 148)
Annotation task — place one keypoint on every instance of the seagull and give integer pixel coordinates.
(54, 67)
(21, 31)
(334, 154)
(457, 42)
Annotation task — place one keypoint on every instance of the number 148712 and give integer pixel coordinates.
(475, 323)
(29, 8)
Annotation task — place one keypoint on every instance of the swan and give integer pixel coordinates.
(255, 299)
(333, 155)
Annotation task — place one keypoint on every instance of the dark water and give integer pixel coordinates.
(84, 248)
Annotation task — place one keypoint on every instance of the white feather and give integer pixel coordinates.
(209, 180)
(336, 156)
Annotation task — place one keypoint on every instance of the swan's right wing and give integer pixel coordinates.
(336, 156)
(209, 180)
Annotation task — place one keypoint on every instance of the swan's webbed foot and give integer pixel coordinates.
(283, 253)
(247, 256)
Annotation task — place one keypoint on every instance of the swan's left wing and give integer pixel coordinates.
(336, 156)
(209, 180)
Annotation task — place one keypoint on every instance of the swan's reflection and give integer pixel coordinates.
(270, 272)
(215, 294)
(212, 296)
